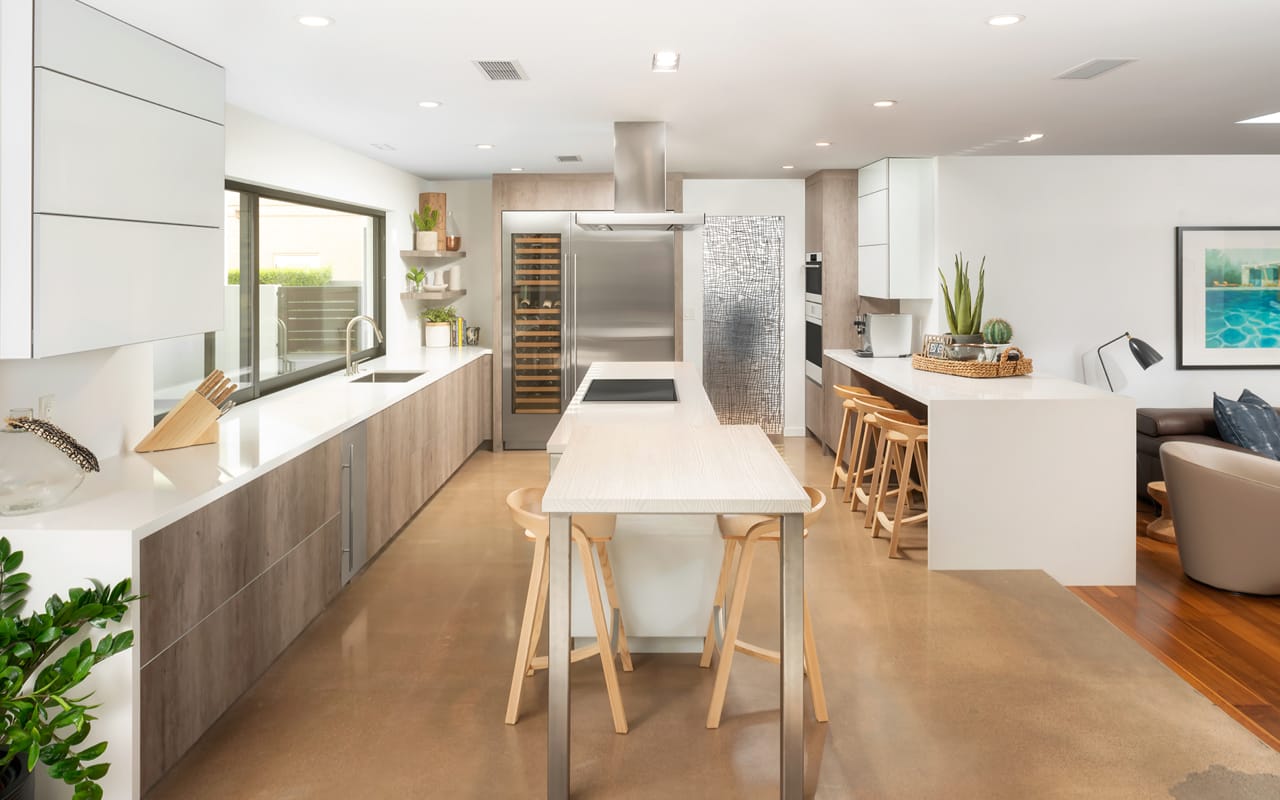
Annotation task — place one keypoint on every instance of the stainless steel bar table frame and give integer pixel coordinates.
(675, 468)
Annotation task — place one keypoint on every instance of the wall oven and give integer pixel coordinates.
(813, 341)
(813, 277)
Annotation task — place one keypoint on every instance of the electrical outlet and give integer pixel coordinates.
(44, 407)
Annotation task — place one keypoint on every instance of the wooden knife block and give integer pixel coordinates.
(192, 421)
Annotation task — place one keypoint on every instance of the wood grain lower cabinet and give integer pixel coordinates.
(833, 373)
(814, 419)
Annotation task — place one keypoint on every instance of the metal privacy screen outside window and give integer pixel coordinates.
(742, 319)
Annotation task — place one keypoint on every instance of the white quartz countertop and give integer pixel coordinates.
(143, 492)
(691, 407)
(927, 387)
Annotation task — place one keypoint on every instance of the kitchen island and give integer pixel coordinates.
(1029, 472)
(665, 566)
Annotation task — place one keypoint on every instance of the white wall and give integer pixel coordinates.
(753, 198)
(471, 204)
(1081, 249)
(266, 153)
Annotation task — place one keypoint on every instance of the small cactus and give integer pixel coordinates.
(997, 331)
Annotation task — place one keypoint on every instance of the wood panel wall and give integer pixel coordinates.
(554, 192)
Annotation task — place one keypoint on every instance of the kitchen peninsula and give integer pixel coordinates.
(236, 547)
(1031, 472)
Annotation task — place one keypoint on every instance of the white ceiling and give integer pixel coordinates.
(759, 82)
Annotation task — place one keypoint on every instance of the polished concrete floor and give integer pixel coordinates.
(955, 685)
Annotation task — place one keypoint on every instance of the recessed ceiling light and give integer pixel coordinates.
(666, 61)
(517, 169)
(312, 21)
(430, 104)
(1001, 20)
(885, 103)
(822, 144)
(1265, 119)
(1031, 137)
(484, 147)
(788, 166)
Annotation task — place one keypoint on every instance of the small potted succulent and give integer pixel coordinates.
(43, 718)
(964, 309)
(424, 225)
(435, 326)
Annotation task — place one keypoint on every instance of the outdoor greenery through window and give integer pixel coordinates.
(296, 271)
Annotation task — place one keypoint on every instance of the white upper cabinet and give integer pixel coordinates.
(896, 229)
(111, 183)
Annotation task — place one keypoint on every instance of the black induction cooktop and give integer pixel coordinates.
(631, 390)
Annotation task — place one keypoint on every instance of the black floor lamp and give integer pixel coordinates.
(1143, 353)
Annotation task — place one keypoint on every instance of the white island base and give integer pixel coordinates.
(665, 565)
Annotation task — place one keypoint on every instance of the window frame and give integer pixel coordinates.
(250, 269)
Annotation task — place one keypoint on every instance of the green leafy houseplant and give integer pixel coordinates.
(437, 315)
(416, 275)
(964, 309)
(41, 721)
(426, 219)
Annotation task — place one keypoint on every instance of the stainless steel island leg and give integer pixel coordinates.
(791, 785)
(558, 659)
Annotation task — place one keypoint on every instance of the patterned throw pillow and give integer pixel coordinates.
(1249, 422)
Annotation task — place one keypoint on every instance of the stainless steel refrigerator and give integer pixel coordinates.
(573, 296)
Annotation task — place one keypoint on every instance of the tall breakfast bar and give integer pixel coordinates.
(1028, 472)
(665, 460)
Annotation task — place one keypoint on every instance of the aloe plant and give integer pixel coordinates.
(964, 310)
(426, 219)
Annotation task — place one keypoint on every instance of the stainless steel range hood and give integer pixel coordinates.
(639, 184)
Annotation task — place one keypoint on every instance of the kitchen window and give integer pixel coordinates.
(296, 270)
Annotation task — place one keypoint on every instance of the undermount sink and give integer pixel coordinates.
(387, 376)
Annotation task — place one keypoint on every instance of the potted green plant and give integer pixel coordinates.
(964, 308)
(435, 326)
(415, 276)
(40, 666)
(424, 225)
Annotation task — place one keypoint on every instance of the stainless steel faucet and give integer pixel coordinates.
(354, 369)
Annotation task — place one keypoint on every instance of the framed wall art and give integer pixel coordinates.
(1228, 295)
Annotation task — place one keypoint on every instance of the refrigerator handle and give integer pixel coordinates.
(566, 333)
(575, 324)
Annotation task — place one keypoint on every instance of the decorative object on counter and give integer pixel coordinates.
(452, 234)
(935, 345)
(997, 331)
(473, 336)
(424, 223)
(40, 464)
(49, 721)
(1143, 353)
(436, 326)
(1228, 294)
(415, 276)
(1011, 363)
(194, 420)
(975, 352)
(964, 309)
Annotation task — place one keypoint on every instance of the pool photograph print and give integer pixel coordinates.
(1228, 312)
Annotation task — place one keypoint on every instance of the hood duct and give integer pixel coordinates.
(639, 184)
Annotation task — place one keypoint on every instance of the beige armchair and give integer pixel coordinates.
(1227, 508)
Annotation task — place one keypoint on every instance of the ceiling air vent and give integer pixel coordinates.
(569, 159)
(502, 70)
(1094, 68)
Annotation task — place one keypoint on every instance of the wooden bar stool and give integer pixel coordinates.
(870, 450)
(840, 472)
(590, 531)
(905, 447)
(743, 532)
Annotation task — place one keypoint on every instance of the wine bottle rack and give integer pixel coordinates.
(537, 323)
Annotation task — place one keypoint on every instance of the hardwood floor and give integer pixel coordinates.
(1225, 645)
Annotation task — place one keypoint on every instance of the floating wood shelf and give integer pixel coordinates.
(439, 254)
(437, 297)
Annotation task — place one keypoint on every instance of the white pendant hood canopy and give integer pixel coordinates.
(639, 184)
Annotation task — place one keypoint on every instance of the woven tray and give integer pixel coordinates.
(1004, 368)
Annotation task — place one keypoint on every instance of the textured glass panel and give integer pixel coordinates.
(742, 319)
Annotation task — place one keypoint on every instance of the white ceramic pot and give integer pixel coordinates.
(426, 240)
(435, 334)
